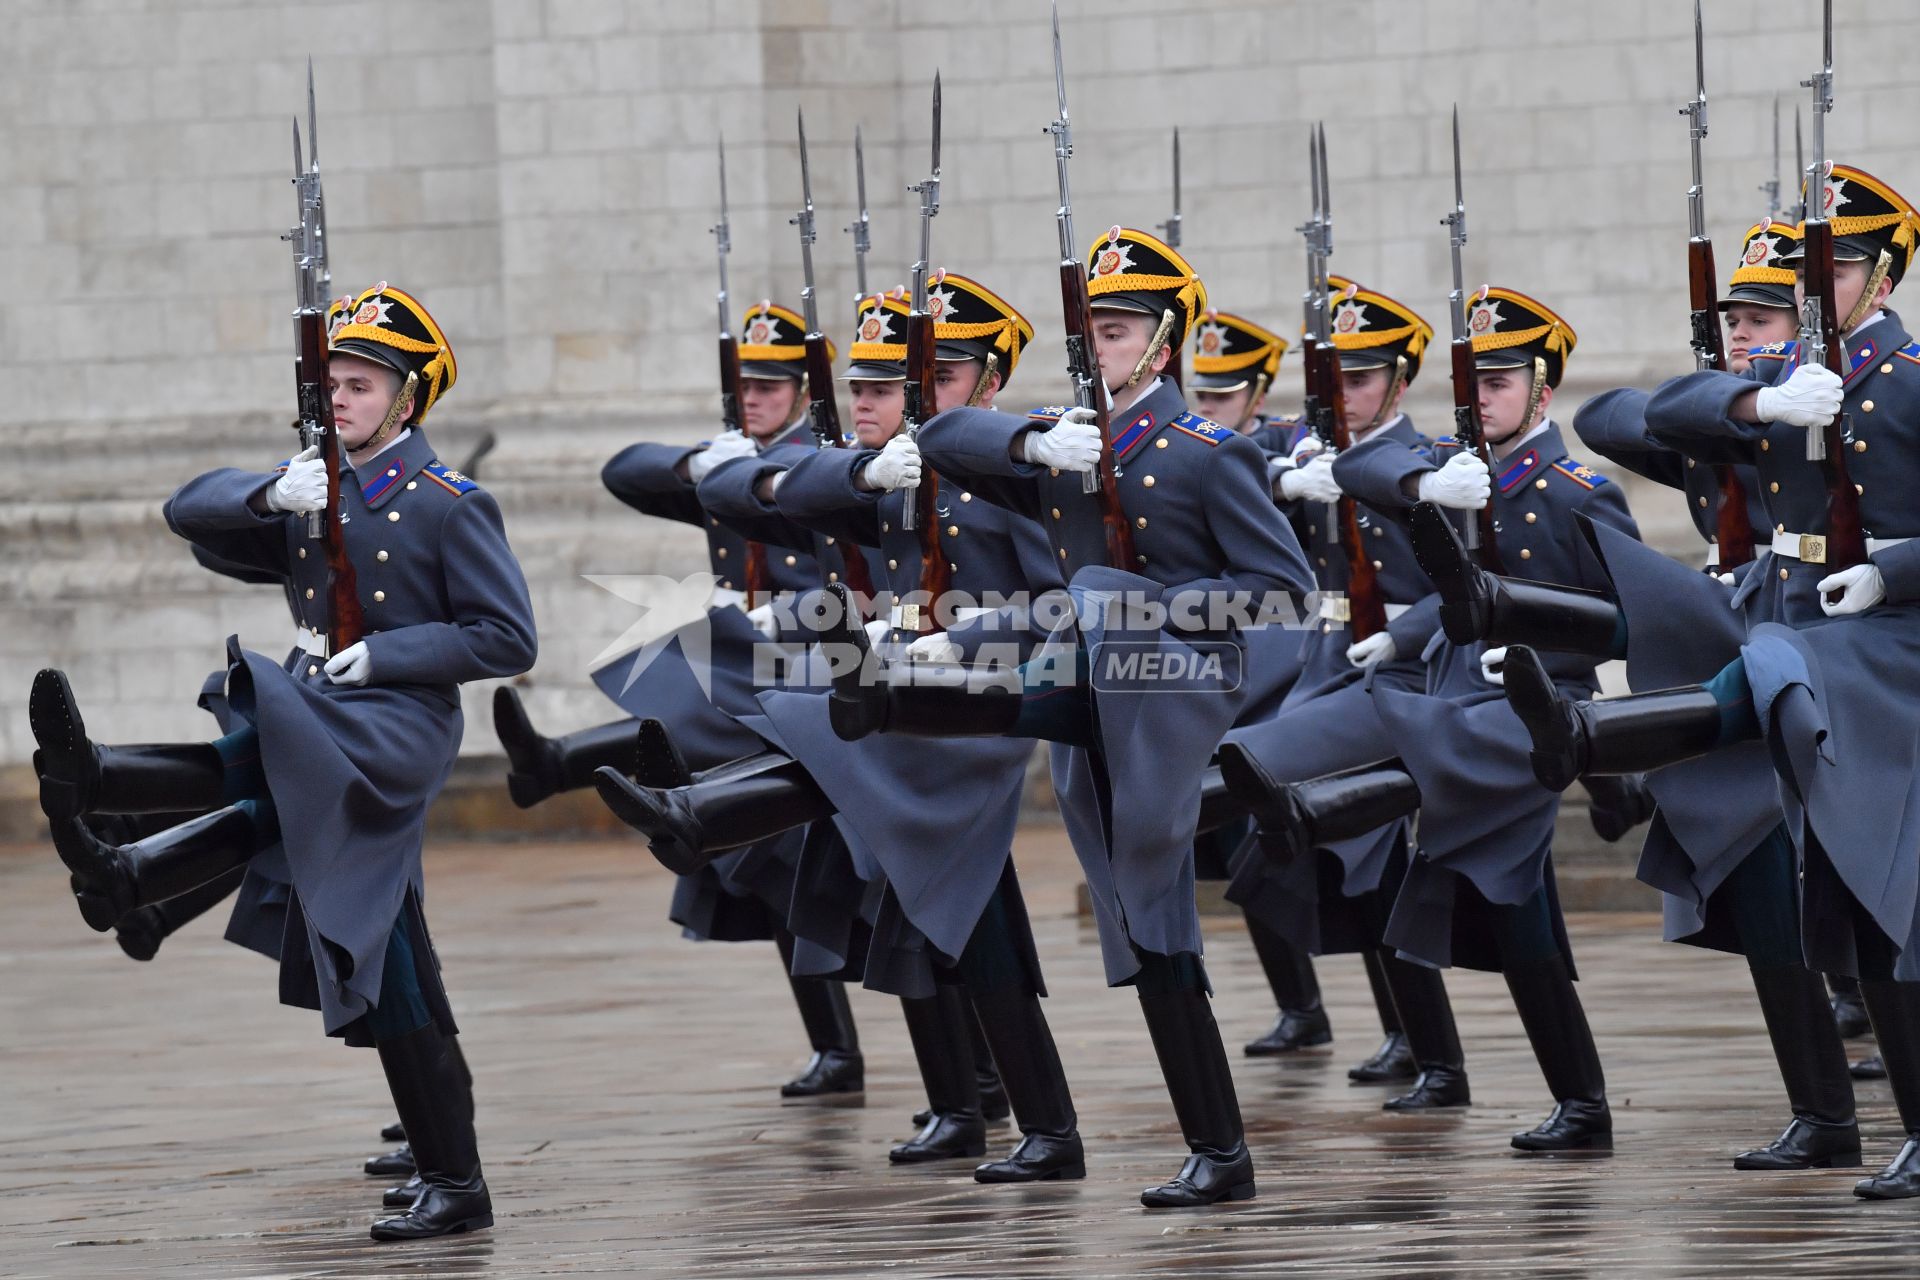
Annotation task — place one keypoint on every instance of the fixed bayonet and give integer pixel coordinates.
(1772, 185)
(1696, 113)
(809, 307)
(1817, 326)
(723, 240)
(1478, 530)
(1172, 225)
(1709, 348)
(920, 338)
(313, 279)
(1799, 165)
(860, 227)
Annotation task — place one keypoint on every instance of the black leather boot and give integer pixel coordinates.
(1617, 803)
(871, 697)
(1218, 806)
(395, 1132)
(1433, 1040)
(1895, 1010)
(1849, 1010)
(397, 1163)
(404, 1195)
(1479, 606)
(1193, 1061)
(1868, 1068)
(1813, 1065)
(1556, 1027)
(1036, 1084)
(837, 1067)
(658, 762)
(937, 1026)
(112, 881)
(540, 767)
(435, 1098)
(1633, 734)
(1303, 1022)
(995, 1106)
(77, 777)
(1297, 817)
(1393, 1060)
(735, 805)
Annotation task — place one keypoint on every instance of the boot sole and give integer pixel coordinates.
(479, 1222)
(659, 764)
(1239, 1191)
(927, 1157)
(1839, 1161)
(1065, 1173)
(54, 717)
(1534, 699)
(75, 845)
(1258, 1050)
(1583, 1147)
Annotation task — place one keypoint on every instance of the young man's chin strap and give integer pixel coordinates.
(1153, 348)
(987, 369)
(1866, 303)
(1386, 408)
(1534, 393)
(402, 401)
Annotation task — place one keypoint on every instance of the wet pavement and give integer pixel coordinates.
(171, 1119)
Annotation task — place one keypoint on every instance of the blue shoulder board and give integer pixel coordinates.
(1200, 428)
(449, 478)
(1048, 413)
(1584, 476)
(1449, 442)
(1911, 351)
(1773, 351)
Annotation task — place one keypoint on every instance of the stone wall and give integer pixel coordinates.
(542, 171)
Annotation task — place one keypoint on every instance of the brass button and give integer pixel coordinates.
(885, 527)
(1859, 488)
(1783, 575)
(1773, 487)
(1054, 472)
(727, 583)
(379, 597)
(1141, 559)
(953, 531)
(895, 564)
(303, 553)
(1147, 481)
(1703, 501)
(1859, 446)
(1531, 517)
(381, 556)
(413, 484)
(954, 567)
(1379, 532)
(1541, 483)
(1887, 367)
(309, 593)
(833, 577)
(966, 497)
(393, 517)
(829, 541)
(1141, 522)
(1866, 406)
(312, 670)
(1378, 565)
(713, 522)
(792, 561)
(1063, 553)
(1160, 443)
(1056, 513)
(721, 552)
(1765, 445)
(1526, 553)
(1779, 528)
(1323, 562)
(1691, 464)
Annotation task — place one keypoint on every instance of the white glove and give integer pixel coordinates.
(727, 445)
(1314, 481)
(1810, 397)
(304, 486)
(1309, 445)
(877, 632)
(761, 616)
(1491, 663)
(1860, 588)
(1463, 484)
(935, 648)
(1724, 579)
(897, 465)
(1372, 651)
(352, 665)
(1071, 444)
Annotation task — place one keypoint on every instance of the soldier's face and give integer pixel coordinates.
(1120, 338)
(1751, 325)
(1231, 409)
(767, 404)
(363, 391)
(953, 382)
(1849, 282)
(1362, 393)
(878, 410)
(1503, 402)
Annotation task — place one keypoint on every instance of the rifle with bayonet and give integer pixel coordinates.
(823, 415)
(1325, 409)
(344, 623)
(1823, 333)
(1733, 528)
(919, 503)
(1089, 391)
(1772, 185)
(730, 419)
(1171, 227)
(1467, 427)
(859, 228)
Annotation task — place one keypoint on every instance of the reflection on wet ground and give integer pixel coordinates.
(170, 1118)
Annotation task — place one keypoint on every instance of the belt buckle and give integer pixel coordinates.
(907, 617)
(1813, 548)
(1336, 609)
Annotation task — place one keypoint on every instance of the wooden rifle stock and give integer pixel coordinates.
(1733, 530)
(1846, 533)
(1085, 370)
(1469, 432)
(824, 415)
(1366, 601)
(936, 573)
(345, 623)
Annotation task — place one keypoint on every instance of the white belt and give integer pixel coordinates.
(1811, 548)
(310, 642)
(1337, 608)
(724, 596)
(906, 617)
